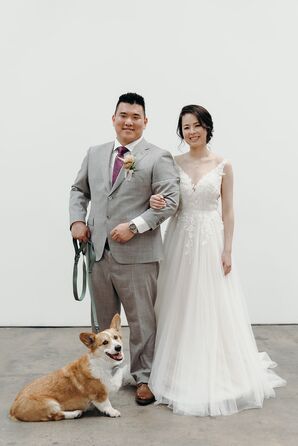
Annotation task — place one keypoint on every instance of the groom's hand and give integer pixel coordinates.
(80, 231)
(122, 233)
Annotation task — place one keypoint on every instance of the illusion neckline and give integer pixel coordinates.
(194, 185)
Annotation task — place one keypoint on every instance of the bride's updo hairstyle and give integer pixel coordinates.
(203, 116)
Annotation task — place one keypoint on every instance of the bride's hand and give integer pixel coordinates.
(157, 201)
(226, 262)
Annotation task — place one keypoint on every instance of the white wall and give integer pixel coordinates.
(64, 64)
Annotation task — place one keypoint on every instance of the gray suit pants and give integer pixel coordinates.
(135, 287)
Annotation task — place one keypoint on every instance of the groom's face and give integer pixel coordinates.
(129, 121)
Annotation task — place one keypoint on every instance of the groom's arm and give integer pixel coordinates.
(165, 181)
(80, 195)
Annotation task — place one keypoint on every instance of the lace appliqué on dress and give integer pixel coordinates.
(198, 229)
(199, 214)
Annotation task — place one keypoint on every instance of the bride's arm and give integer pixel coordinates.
(157, 201)
(227, 216)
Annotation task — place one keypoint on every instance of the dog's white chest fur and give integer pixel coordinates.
(110, 377)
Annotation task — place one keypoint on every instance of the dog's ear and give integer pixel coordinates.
(88, 339)
(116, 322)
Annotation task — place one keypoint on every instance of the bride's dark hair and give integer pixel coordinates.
(203, 116)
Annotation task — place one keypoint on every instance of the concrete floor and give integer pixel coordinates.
(29, 352)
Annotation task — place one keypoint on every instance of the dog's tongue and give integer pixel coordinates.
(117, 356)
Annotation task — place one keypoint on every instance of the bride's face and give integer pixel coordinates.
(193, 133)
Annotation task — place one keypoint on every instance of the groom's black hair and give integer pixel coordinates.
(132, 98)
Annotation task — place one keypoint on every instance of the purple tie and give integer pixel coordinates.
(118, 163)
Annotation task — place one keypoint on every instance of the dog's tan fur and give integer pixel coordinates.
(67, 392)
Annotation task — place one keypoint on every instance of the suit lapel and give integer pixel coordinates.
(105, 163)
(119, 180)
(139, 151)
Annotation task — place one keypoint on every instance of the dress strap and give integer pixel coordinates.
(221, 166)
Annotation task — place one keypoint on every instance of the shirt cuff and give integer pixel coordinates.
(141, 224)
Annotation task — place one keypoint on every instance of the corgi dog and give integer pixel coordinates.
(80, 385)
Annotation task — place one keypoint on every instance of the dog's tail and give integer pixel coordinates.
(11, 414)
(12, 417)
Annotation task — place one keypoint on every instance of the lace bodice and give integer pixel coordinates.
(205, 194)
(199, 209)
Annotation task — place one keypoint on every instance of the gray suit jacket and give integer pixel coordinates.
(155, 173)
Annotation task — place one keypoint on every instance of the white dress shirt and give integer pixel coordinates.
(138, 221)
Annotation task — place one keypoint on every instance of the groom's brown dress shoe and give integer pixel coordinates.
(144, 395)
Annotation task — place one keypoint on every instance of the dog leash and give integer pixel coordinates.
(87, 251)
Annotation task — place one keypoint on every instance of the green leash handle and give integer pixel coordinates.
(79, 249)
(85, 249)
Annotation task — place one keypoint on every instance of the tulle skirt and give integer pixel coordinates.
(206, 360)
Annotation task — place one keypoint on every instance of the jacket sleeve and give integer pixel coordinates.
(165, 181)
(80, 194)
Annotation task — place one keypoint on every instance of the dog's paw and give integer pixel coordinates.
(114, 413)
(77, 413)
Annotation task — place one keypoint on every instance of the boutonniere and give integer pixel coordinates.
(129, 164)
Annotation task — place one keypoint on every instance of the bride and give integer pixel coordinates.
(206, 360)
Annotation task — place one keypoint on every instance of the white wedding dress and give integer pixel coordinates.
(206, 360)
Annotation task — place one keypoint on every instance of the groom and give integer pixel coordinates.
(124, 229)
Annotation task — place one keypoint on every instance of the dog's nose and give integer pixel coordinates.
(118, 348)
